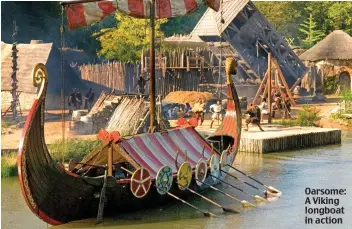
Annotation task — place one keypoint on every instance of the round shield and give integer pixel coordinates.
(140, 182)
(184, 176)
(214, 166)
(201, 171)
(164, 180)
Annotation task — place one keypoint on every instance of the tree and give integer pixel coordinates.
(126, 41)
(312, 34)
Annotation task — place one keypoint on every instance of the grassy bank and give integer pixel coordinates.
(9, 165)
(74, 148)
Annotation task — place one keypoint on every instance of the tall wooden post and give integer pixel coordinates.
(152, 67)
(110, 156)
(269, 86)
(14, 71)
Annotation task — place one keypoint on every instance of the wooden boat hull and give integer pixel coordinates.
(59, 196)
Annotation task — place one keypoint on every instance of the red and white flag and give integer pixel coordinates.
(82, 14)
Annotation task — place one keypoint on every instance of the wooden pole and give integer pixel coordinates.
(269, 86)
(110, 156)
(152, 67)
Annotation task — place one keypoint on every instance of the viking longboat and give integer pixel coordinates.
(57, 195)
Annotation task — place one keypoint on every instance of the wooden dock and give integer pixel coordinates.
(278, 138)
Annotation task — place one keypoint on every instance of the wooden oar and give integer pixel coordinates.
(102, 201)
(209, 200)
(270, 188)
(256, 197)
(207, 214)
(233, 176)
(244, 203)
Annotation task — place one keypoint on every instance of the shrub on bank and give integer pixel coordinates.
(74, 148)
(9, 164)
(308, 116)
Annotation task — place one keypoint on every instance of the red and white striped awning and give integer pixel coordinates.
(152, 151)
(82, 14)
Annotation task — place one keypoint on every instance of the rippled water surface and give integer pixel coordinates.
(291, 172)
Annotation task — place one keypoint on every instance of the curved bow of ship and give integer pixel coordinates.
(50, 192)
(230, 128)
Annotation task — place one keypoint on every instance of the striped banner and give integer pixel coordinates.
(82, 14)
(152, 151)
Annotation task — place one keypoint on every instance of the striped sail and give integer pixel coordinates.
(82, 14)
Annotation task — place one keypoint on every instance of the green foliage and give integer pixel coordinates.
(287, 16)
(346, 95)
(9, 164)
(74, 148)
(312, 34)
(126, 41)
(308, 116)
(330, 85)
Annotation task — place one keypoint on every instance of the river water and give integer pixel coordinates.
(292, 172)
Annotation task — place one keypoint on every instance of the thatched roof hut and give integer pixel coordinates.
(28, 56)
(333, 57)
(336, 46)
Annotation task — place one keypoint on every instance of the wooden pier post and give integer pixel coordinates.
(269, 87)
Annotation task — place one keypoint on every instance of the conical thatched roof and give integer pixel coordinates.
(336, 46)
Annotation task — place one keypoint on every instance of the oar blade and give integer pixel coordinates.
(259, 199)
(245, 203)
(230, 210)
(209, 214)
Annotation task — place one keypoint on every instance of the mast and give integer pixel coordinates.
(152, 66)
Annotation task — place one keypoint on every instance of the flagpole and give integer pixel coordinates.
(152, 66)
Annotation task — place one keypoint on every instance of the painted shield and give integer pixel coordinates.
(164, 180)
(140, 182)
(214, 166)
(223, 164)
(184, 176)
(201, 171)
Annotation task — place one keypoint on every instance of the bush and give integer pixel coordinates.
(74, 148)
(9, 165)
(308, 116)
(330, 85)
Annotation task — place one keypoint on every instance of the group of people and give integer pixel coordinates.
(256, 113)
(75, 100)
(199, 110)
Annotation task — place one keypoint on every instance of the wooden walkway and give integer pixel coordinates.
(277, 138)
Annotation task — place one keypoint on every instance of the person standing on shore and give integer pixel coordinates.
(72, 101)
(89, 98)
(216, 109)
(254, 116)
